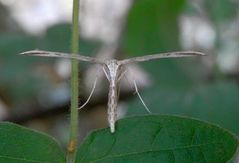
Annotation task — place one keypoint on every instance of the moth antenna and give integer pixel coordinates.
(91, 93)
(136, 89)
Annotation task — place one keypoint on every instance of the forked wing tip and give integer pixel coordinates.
(199, 53)
(31, 52)
(24, 53)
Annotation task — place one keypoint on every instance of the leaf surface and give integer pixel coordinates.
(22, 145)
(159, 139)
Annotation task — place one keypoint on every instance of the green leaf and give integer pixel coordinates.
(159, 139)
(217, 103)
(22, 145)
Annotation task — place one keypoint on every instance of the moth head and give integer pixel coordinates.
(112, 69)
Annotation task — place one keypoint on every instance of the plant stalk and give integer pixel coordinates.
(72, 145)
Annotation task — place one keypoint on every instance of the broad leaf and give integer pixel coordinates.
(22, 145)
(154, 138)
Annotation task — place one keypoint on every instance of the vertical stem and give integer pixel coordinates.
(72, 145)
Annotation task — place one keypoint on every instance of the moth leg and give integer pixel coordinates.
(107, 76)
(136, 89)
(121, 75)
(91, 93)
(118, 92)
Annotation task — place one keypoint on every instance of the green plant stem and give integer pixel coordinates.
(72, 145)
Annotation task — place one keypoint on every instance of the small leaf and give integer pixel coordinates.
(22, 145)
(154, 138)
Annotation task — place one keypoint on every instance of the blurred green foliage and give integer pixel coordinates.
(18, 82)
(217, 103)
(152, 27)
(179, 88)
(15, 71)
(220, 11)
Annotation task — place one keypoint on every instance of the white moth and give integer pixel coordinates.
(113, 71)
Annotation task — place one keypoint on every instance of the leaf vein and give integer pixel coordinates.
(23, 159)
(147, 151)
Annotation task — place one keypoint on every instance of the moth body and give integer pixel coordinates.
(113, 73)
